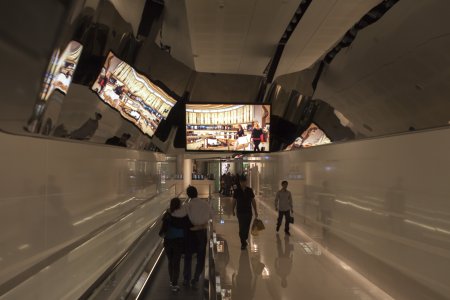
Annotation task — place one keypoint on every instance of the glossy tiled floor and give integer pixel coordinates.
(276, 266)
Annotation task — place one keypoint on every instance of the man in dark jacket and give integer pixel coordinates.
(243, 201)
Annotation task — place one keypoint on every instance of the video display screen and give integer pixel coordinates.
(313, 136)
(228, 127)
(135, 97)
(61, 69)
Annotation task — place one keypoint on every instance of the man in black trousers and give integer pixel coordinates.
(199, 212)
(243, 200)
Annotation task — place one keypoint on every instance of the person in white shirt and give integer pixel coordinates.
(283, 204)
(199, 212)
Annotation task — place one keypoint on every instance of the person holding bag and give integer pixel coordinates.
(243, 201)
(283, 204)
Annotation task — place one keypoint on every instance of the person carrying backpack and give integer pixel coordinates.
(174, 228)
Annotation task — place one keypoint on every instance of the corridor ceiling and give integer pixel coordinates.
(241, 37)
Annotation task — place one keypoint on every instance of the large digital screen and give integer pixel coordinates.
(61, 69)
(313, 136)
(228, 127)
(135, 97)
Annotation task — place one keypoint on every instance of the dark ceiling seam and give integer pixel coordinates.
(298, 15)
(272, 66)
(371, 17)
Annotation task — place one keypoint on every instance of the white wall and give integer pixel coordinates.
(388, 197)
(56, 192)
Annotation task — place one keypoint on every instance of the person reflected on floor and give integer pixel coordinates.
(326, 205)
(116, 141)
(227, 207)
(174, 229)
(283, 204)
(243, 201)
(88, 129)
(199, 212)
(243, 283)
(222, 258)
(395, 206)
(257, 265)
(283, 263)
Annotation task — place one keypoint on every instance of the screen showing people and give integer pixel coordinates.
(313, 136)
(133, 95)
(227, 127)
(61, 69)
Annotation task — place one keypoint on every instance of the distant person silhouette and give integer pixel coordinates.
(119, 141)
(283, 204)
(87, 130)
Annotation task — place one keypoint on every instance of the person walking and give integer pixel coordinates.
(283, 204)
(243, 201)
(175, 226)
(199, 213)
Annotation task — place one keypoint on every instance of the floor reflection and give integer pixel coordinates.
(283, 262)
(244, 282)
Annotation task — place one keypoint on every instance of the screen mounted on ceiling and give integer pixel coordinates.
(61, 69)
(133, 95)
(313, 136)
(228, 127)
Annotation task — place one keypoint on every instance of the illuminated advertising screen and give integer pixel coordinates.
(135, 97)
(61, 69)
(313, 136)
(228, 127)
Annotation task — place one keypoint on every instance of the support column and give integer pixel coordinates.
(180, 163)
(187, 172)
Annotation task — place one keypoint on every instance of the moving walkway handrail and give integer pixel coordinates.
(212, 278)
(41, 265)
(135, 286)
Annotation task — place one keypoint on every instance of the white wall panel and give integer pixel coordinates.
(387, 197)
(54, 193)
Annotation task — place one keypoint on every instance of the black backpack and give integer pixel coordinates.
(165, 224)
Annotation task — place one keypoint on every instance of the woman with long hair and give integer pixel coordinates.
(174, 229)
(240, 132)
